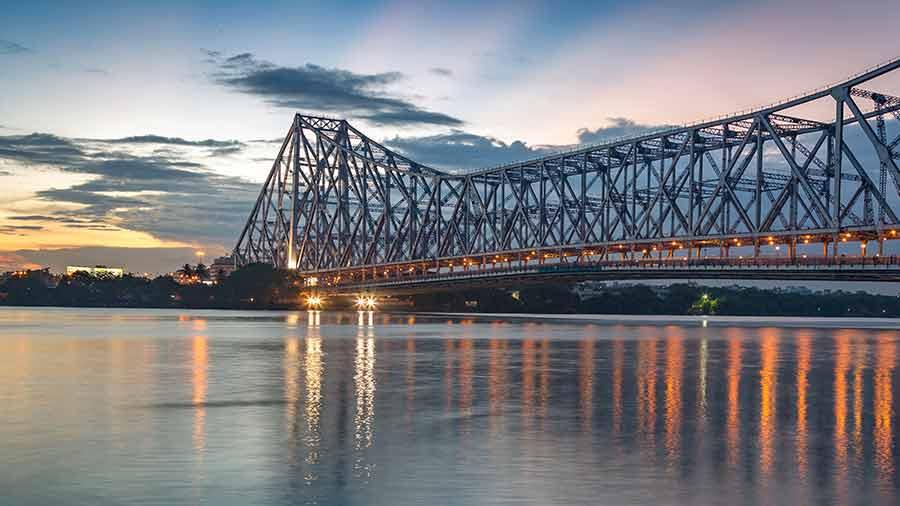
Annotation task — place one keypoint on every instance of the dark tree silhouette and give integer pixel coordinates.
(202, 272)
(186, 270)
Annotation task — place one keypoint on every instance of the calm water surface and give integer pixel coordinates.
(191, 407)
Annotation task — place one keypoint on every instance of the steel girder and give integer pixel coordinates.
(336, 200)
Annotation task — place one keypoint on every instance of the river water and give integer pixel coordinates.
(102, 406)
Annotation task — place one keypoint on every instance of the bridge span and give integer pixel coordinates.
(805, 188)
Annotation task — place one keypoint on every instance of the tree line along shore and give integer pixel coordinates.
(259, 286)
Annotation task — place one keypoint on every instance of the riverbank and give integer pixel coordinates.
(260, 286)
(682, 320)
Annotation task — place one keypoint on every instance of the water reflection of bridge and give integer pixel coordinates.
(748, 398)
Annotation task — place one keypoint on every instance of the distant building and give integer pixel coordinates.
(99, 271)
(221, 268)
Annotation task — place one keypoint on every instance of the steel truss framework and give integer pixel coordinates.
(339, 204)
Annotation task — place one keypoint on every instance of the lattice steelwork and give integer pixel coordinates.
(338, 202)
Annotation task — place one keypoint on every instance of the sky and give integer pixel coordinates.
(138, 134)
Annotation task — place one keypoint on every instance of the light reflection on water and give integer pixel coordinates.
(735, 354)
(804, 353)
(199, 363)
(162, 407)
(885, 411)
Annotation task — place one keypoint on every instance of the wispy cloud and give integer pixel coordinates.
(441, 71)
(318, 89)
(18, 229)
(30, 217)
(460, 150)
(174, 141)
(617, 127)
(8, 47)
(225, 151)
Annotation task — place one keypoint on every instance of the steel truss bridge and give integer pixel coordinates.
(797, 189)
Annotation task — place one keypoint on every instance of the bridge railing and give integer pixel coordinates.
(650, 264)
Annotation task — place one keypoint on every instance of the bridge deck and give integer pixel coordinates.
(883, 269)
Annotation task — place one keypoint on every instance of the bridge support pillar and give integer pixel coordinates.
(880, 245)
(863, 244)
(834, 245)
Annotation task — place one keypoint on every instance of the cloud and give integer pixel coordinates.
(617, 127)
(318, 89)
(458, 150)
(5, 173)
(174, 141)
(30, 217)
(99, 71)
(441, 71)
(40, 148)
(10, 261)
(18, 229)
(168, 196)
(74, 155)
(225, 151)
(11, 48)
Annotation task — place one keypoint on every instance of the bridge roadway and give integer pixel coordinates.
(844, 268)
